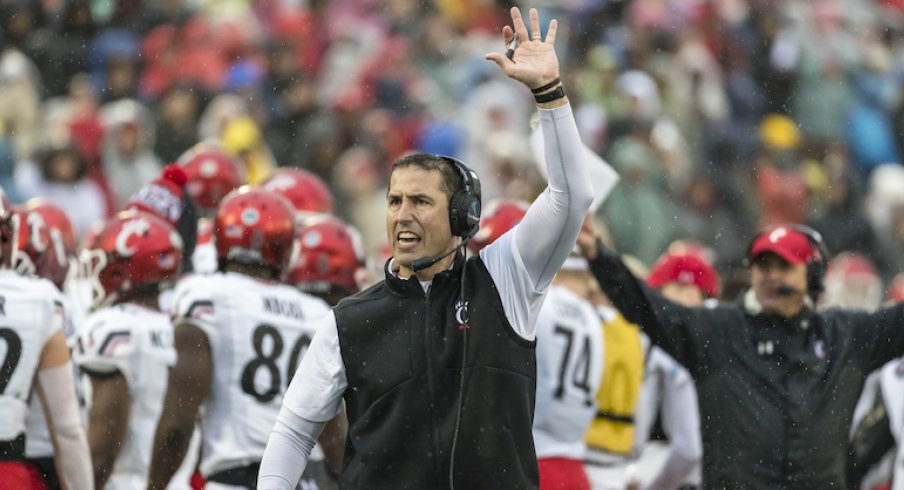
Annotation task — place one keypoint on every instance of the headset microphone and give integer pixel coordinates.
(425, 262)
(786, 290)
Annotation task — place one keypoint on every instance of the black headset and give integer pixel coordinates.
(816, 266)
(464, 207)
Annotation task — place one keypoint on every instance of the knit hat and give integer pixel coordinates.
(688, 269)
(163, 195)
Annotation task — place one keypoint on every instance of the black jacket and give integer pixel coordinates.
(776, 394)
(403, 352)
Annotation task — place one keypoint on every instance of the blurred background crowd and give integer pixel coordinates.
(722, 117)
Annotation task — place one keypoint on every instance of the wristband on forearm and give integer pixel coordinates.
(544, 88)
(550, 96)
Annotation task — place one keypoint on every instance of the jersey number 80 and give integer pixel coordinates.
(267, 360)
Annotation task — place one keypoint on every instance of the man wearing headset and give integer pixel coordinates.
(436, 364)
(777, 381)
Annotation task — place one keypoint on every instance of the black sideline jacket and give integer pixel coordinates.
(776, 394)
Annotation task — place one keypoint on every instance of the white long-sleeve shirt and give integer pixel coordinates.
(522, 264)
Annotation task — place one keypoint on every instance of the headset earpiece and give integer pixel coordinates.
(816, 268)
(464, 206)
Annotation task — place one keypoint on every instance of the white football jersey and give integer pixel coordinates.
(137, 342)
(258, 333)
(32, 311)
(569, 372)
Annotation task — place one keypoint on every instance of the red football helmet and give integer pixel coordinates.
(304, 190)
(212, 173)
(130, 250)
(499, 216)
(256, 227)
(31, 240)
(54, 264)
(330, 254)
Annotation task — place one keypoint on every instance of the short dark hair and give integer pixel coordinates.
(452, 180)
(46, 156)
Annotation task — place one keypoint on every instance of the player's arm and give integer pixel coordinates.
(107, 422)
(332, 441)
(56, 390)
(189, 384)
(681, 422)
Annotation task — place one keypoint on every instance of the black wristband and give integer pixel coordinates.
(556, 94)
(546, 87)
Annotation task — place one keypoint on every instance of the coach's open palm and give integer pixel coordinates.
(533, 61)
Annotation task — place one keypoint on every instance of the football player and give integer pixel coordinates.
(126, 344)
(49, 253)
(240, 333)
(35, 356)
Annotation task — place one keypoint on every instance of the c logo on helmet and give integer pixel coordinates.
(135, 227)
(36, 224)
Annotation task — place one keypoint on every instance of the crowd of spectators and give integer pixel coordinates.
(721, 117)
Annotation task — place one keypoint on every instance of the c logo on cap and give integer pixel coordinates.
(777, 234)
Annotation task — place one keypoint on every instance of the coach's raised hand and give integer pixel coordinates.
(530, 59)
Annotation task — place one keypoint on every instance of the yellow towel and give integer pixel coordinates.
(613, 428)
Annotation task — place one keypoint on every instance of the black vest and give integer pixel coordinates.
(402, 351)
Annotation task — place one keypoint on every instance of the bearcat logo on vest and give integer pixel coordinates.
(461, 315)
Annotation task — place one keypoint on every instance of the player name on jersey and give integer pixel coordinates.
(282, 307)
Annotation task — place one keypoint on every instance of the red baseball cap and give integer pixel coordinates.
(791, 245)
(688, 269)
